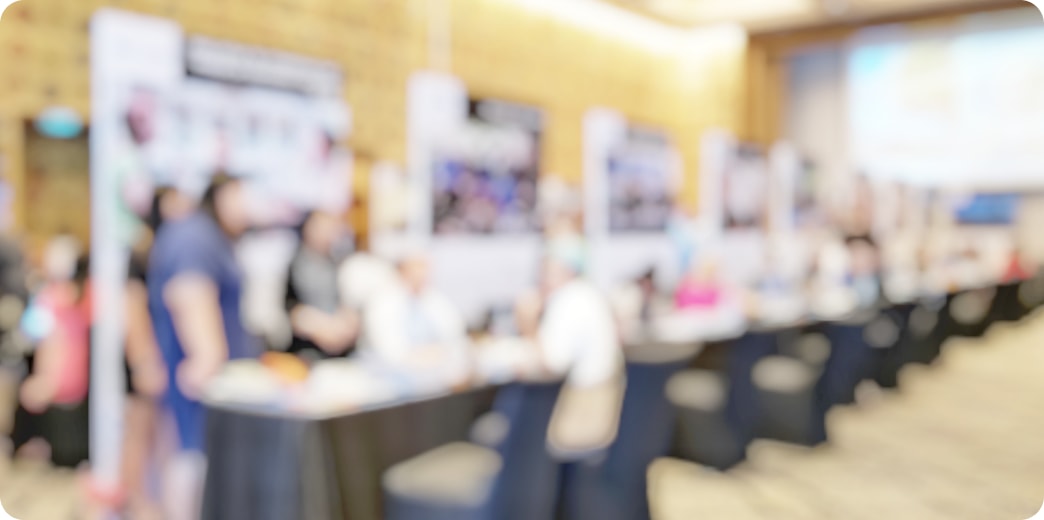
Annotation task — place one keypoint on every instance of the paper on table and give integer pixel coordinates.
(503, 359)
(244, 381)
(347, 383)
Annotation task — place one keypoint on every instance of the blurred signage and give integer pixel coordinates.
(237, 63)
(957, 105)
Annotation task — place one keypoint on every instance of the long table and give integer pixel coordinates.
(268, 466)
(274, 466)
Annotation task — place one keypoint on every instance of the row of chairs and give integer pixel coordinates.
(770, 383)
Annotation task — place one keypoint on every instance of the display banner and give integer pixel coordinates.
(631, 177)
(473, 167)
(484, 175)
(272, 119)
(736, 209)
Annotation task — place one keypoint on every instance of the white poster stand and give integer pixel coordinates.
(171, 110)
(474, 271)
(617, 257)
(744, 249)
(126, 49)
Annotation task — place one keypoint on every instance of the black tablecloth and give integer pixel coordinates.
(272, 468)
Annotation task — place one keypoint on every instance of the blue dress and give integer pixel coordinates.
(194, 245)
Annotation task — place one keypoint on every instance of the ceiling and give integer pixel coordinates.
(776, 15)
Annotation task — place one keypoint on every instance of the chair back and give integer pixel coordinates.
(527, 486)
(615, 486)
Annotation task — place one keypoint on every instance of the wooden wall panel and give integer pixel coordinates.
(498, 47)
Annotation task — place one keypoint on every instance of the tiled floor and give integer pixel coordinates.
(964, 439)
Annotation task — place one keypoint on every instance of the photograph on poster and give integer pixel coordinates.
(746, 185)
(640, 182)
(484, 178)
(179, 137)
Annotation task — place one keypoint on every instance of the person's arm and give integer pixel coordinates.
(556, 338)
(40, 387)
(528, 308)
(143, 355)
(331, 332)
(192, 299)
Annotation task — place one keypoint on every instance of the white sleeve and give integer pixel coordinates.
(557, 336)
(451, 328)
(598, 354)
(385, 327)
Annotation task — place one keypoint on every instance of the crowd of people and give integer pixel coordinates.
(184, 323)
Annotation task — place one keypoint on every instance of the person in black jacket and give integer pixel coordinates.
(322, 325)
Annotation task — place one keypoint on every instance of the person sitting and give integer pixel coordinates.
(633, 304)
(574, 332)
(413, 327)
(323, 327)
(700, 288)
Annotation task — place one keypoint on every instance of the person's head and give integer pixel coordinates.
(167, 204)
(226, 202)
(863, 255)
(140, 112)
(320, 230)
(60, 257)
(414, 270)
(563, 262)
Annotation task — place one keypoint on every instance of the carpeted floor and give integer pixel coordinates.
(963, 439)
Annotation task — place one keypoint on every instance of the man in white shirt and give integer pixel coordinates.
(413, 327)
(577, 333)
(576, 337)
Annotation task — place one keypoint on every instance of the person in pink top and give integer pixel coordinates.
(54, 394)
(700, 289)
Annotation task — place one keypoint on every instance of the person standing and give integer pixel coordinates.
(194, 291)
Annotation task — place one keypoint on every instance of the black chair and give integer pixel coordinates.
(790, 410)
(891, 360)
(789, 406)
(613, 485)
(1031, 293)
(969, 312)
(718, 409)
(1006, 306)
(704, 433)
(849, 361)
(516, 480)
(883, 335)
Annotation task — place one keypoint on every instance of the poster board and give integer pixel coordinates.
(170, 110)
(631, 176)
(485, 263)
